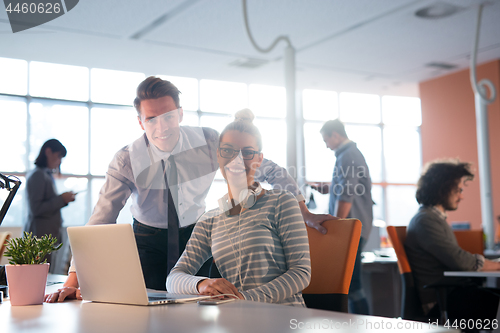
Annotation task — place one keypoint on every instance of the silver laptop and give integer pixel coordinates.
(109, 270)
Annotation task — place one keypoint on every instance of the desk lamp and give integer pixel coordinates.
(11, 184)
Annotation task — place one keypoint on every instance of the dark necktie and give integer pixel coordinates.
(172, 217)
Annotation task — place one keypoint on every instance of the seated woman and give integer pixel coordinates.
(257, 238)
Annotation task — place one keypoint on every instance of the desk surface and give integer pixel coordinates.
(473, 274)
(240, 316)
(379, 257)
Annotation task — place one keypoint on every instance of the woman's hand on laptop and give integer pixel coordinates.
(62, 294)
(214, 287)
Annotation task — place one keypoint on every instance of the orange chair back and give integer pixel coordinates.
(333, 256)
(397, 236)
(470, 240)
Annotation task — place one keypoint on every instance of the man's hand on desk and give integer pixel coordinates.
(68, 291)
(62, 294)
(490, 265)
(214, 287)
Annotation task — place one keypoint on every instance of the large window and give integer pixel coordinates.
(13, 134)
(67, 122)
(59, 81)
(92, 126)
(90, 111)
(116, 87)
(222, 97)
(386, 131)
(14, 78)
(111, 129)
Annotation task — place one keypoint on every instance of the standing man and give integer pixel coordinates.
(432, 248)
(168, 172)
(350, 197)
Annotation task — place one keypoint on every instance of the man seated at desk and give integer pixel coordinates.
(432, 248)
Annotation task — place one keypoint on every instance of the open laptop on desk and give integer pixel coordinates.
(109, 269)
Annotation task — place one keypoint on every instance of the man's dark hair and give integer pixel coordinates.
(152, 88)
(439, 179)
(333, 126)
(244, 127)
(55, 146)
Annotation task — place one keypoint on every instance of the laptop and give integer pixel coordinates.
(109, 269)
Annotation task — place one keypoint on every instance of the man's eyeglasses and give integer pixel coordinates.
(247, 154)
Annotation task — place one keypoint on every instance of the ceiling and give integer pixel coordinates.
(372, 46)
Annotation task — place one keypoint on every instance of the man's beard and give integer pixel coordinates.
(449, 206)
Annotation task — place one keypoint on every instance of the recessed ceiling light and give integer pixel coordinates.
(438, 10)
(441, 65)
(248, 62)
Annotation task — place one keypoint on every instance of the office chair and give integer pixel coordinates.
(470, 240)
(411, 307)
(332, 262)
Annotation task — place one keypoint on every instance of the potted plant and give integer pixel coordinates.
(28, 268)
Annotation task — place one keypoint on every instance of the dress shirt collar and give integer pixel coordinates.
(158, 154)
(195, 138)
(145, 156)
(441, 214)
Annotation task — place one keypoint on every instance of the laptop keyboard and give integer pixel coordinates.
(158, 298)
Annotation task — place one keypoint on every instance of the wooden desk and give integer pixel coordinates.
(239, 316)
(486, 274)
(490, 275)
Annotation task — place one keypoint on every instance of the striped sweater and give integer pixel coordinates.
(274, 253)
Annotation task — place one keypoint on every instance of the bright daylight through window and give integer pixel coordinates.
(91, 112)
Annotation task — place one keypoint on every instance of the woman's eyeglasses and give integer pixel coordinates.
(247, 154)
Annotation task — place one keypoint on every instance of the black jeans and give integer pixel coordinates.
(152, 244)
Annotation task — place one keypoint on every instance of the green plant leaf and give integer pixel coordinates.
(29, 250)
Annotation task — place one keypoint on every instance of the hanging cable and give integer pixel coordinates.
(252, 40)
(485, 82)
(291, 118)
(483, 140)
